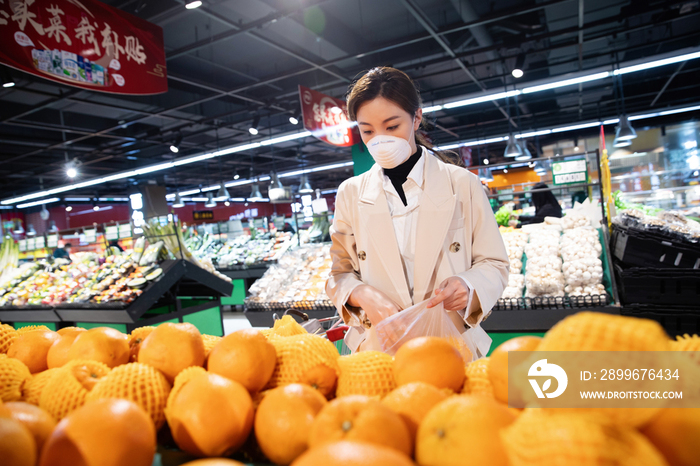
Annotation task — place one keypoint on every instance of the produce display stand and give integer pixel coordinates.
(243, 277)
(183, 293)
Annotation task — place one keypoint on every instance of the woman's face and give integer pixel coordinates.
(383, 117)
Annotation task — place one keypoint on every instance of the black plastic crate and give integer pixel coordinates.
(638, 248)
(658, 286)
(676, 320)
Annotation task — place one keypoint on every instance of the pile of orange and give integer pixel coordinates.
(289, 396)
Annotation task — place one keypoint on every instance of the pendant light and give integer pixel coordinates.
(624, 133)
(210, 201)
(513, 148)
(222, 194)
(526, 155)
(485, 175)
(178, 201)
(255, 194)
(305, 186)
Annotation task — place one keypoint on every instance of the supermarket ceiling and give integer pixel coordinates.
(232, 61)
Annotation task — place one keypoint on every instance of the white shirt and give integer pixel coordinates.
(405, 220)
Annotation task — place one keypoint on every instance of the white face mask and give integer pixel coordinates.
(389, 151)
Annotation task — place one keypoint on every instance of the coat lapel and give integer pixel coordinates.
(374, 212)
(434, 217)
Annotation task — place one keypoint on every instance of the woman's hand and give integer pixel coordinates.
(453, 293)
(377, 305)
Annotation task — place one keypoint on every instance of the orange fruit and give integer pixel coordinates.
(307, 359)
(58, 353)
(103, 344)
(32, 348)
(210, 341)
(213, 462)
(498, 365)
(136, 338)
(675, 433)
(31, 328)
(352, 453)
(33, 387)
(68, 387)
(361, 418)
(180, 381)
(170, 348)
(140, 383)
(477, 381)
(283, 420)
(366, 373)
(429, 359)
(210, 415)
(547, 438)
(13, 376)
(17, 446)
(106, 432)
(246, 357)
(412, 402)
(39, 422)
(463, 429)
(7, 335)
(68, 330)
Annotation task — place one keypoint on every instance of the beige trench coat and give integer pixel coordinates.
(456, 234)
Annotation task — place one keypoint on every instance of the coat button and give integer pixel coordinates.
(362, 255)
(455, 247)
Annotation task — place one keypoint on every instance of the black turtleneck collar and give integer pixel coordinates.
(399, 175)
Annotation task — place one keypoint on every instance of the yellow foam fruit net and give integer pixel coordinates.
(13, 376)
(285, 327)
(368, 373)
(477, 381)
(140, 383)
(181, 379)
(34, 386)
(70, 385)
(686, 343)
(595, 331)
(540, 438)
(31, 328)
(298, 354)
(7, 336)
(140, 333)
(210, 342)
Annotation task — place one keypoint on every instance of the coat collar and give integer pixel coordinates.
(434, 217)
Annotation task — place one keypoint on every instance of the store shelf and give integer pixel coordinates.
(535, 320)
(180, 278)
(29, 315)
(255, 271)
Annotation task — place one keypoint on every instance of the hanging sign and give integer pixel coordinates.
(90, 236)
(39, 242)
(22, 245)
(52, 241)
(112, 233)
(124, 231)
(30, 244)
(326, 118)
(203, 215)
(569, 172)
(83, 43)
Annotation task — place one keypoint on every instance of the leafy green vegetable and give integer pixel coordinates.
(504, 214)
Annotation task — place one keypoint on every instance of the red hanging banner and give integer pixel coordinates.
(326, 118)
(83, 43)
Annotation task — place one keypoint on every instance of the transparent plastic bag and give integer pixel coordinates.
(420, 321)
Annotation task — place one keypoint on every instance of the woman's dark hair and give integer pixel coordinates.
(396, 86)
(542, 198)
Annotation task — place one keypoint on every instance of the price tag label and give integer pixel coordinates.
(30, 244)
(40, 242)
(112, 233)
(125, 231)
(52, 241)
(90, 235)
(22, 245)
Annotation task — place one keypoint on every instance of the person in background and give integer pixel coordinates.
(62, 253)
(578, 196)
(546, 205)
(115, 244)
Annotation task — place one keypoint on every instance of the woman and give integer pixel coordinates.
(413, 226)
(545, 203)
